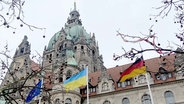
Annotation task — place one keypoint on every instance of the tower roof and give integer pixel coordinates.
(24, 48)
(73, 29)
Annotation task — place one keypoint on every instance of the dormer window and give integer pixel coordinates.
(105, 86)
(163, 74)
(169, 75)
(142, 79)
(124, 84)
(92, 89)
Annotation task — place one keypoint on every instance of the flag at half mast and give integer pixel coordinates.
(135, 69)
(77, 80)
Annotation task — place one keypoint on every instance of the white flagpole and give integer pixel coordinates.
(148, 84)
(87, 86)
(151, 96)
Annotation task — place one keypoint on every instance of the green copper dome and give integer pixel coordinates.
(73, 33)
(76, 31)
(53, 40)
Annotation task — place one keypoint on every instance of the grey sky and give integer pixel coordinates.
(102, 17)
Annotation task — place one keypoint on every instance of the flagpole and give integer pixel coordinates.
(148, 84)
(87, 86)
(150, 92)
(40, 98)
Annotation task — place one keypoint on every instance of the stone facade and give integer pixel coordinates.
(135, 95)
(72, 49)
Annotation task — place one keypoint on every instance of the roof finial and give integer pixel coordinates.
(74, 5)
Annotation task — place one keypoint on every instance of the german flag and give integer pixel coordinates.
(135, 69)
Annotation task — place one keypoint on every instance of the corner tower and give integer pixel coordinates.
(18, 72)
(21, 64)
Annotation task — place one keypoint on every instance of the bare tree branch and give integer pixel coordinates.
(13, 11)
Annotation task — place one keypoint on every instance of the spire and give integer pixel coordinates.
(74, 5)
(23, 48)
(74, 17)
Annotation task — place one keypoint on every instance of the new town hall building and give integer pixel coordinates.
(70, 50)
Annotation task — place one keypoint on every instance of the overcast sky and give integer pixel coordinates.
(102, 17)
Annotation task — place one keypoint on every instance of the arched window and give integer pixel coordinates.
(61, 75)
(146, 99)
(82, 47)
(105, 86)
(68, 74)
(77, 102)
(57, 101)
(93, 52)
(68, 101)
(60, 79)
(169, 97)
(22, 50)
(75, 48)
(60, 47)
(106, 102)
(95, 69)
(125, 101)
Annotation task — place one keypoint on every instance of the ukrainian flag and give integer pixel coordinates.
(77, 80)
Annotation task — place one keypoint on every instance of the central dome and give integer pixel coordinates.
(53, 40)
(73, 32)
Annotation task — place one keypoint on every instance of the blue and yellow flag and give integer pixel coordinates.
(34, 92)
(76, 80)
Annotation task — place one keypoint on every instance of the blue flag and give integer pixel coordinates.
(34, 92)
